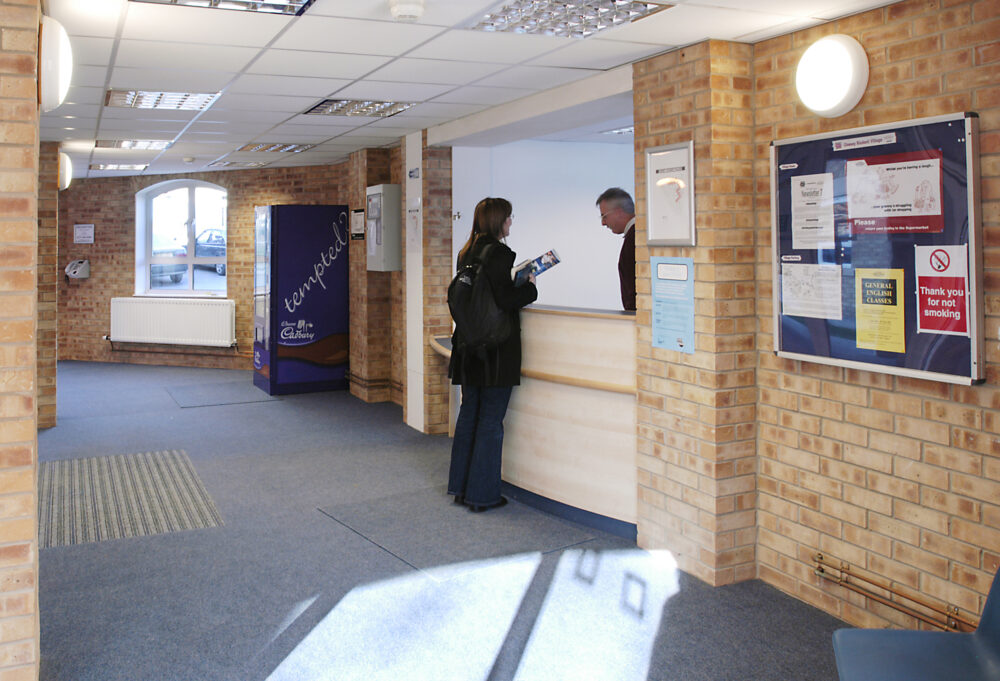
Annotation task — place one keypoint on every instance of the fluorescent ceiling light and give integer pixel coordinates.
(564, 19)
(237, 164)
(119, 166)
(143, 99)
(351, 107)
(296, 7)
(276, 147)
(133, 144)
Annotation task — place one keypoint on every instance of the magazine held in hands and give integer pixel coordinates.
(522, 271)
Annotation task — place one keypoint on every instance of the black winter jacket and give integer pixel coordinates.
(504, 367)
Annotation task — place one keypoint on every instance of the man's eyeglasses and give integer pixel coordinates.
(604, 215)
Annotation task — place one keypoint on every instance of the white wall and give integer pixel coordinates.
(553, 187)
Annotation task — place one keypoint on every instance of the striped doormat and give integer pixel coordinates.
(111, 497)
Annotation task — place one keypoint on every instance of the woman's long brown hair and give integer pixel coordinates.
(490, 215)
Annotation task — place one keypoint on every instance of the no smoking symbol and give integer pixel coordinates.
(940, 261)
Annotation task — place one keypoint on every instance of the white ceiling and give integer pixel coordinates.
(271, 68)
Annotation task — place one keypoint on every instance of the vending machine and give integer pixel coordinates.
(301, 324)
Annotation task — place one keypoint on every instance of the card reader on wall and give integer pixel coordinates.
(78, 269)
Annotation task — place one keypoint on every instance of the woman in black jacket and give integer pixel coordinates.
(487, 379)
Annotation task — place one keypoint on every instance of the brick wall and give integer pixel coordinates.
(19, 642)
(109, 203)
(696, 413)
(897, 476)
(397, 304)
(438, 271)
(48, 280)
(371, 340)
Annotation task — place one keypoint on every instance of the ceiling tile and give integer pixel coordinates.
(593, 53)
(537, 77)
(312, 121)
(354, 35)
(199, 25)
(83, 95)
(394, 92)
(154, 54)
(437, 12)
(687, 24)
(91, 51)
(239, 102)
(473, 94)
(501, 48)
(435, 71)
(243, 116)
(315, 64)
(89, 76)
(97, 18)
(317, 88)
(439, 110)
(170, 80)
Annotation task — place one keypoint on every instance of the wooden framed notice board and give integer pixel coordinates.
(877, 248)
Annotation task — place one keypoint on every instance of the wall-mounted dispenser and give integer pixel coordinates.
(383, 233)
(78, 269)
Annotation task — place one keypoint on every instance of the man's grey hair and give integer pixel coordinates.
(620, 196)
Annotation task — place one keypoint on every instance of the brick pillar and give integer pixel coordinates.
(19, 640)
(438, 270)
(371, 336)
(48, 280)
(696, 413)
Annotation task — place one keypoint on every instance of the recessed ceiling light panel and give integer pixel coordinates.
(156, 145)
(276, 147)
(630, 130)
(295, 7)
(119, 166)
(236, 164)
(564, 19)
(147, 99)
(354, 107)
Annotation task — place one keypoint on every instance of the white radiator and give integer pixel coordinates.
(176, 321)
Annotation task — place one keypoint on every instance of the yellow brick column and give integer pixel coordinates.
(438, 270)
(370, 291)
(696, 413)
(19, 641)
(48, 280)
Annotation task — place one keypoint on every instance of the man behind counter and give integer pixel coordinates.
(618, 215)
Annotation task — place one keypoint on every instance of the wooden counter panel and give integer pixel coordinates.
(573, 445)
(600, 349)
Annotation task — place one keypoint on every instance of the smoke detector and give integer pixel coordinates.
(406, 10)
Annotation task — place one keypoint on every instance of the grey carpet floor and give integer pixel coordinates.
(342, 557)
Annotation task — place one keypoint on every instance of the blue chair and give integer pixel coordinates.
(892, 655)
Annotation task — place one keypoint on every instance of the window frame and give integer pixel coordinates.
(144, 258)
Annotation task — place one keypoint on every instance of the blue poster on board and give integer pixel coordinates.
(673, 303)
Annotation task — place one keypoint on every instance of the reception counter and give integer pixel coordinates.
(570, 431)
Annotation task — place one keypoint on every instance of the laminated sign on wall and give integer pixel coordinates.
(876, 239)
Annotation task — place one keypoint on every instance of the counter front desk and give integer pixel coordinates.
(570, 431)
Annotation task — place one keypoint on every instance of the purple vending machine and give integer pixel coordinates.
(301, 325)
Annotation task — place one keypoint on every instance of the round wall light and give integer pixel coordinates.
(65, 171)
(832, 75)
(55, 64)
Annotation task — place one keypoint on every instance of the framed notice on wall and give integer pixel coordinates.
(877, 248)
(670, 195)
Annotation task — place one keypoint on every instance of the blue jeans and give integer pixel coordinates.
(475, 452)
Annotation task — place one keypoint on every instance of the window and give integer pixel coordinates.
(181, 239)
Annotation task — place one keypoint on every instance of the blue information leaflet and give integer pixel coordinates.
(673, 303)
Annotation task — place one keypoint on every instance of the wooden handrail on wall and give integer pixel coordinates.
(948, 619)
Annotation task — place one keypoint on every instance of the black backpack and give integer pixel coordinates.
(480, 324)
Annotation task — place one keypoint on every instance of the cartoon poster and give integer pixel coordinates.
(895, 193)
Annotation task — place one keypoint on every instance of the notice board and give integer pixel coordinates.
(877, 248)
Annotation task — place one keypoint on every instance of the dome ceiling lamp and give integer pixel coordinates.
(832, 75)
